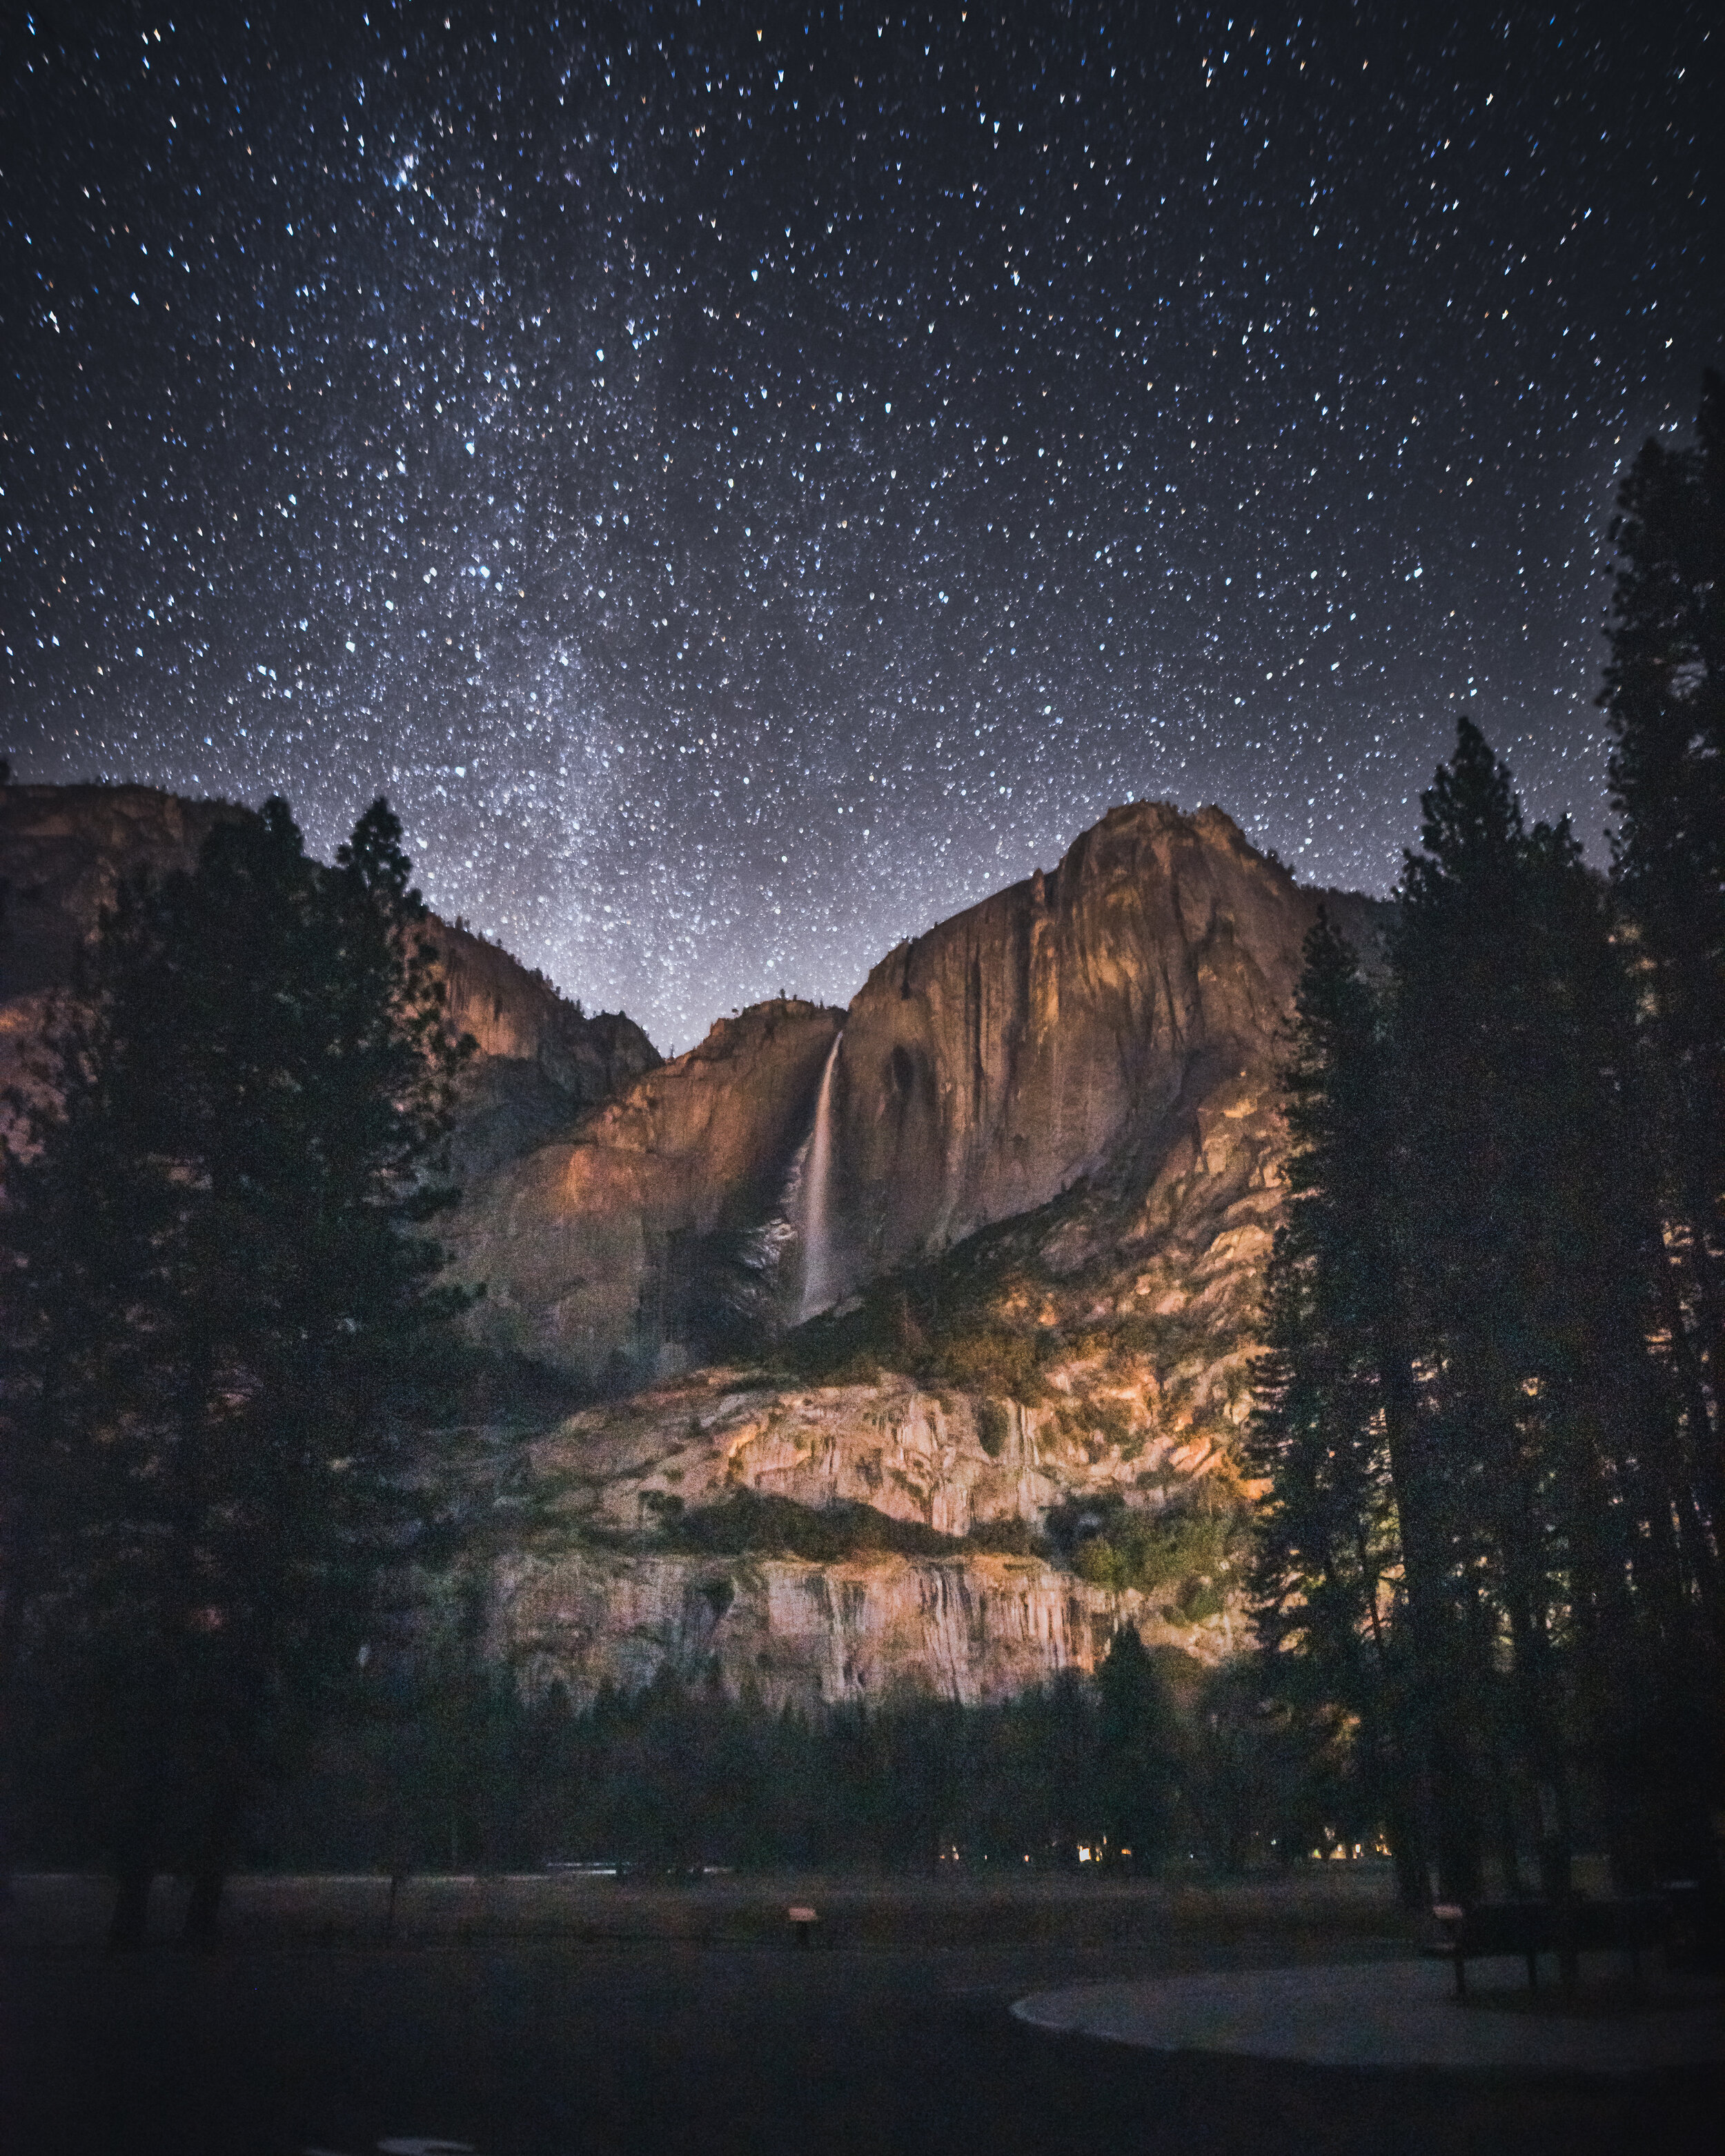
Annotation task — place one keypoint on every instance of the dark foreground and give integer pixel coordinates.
(728, 2038)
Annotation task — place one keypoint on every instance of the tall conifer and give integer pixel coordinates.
(1138, 1754)
(1353, 1573)
(215, 1268)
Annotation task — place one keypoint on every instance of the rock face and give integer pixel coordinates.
(1078, 1076)
(1066, 1028)
(541, 1060)
(911, 1455)
(631, 1246)
(65, 850)
(1074, 1030)
(970, 1625)
(973, 1628)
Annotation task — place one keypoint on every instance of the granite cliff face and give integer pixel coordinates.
(542, 1060)
(1055, 1029)
(1070, 1034)
(1056, 1116)
(974, 1629)
(1140, 1312)
(598, 1604)
(1066, 1029)
(65, 851)
(640, 1239)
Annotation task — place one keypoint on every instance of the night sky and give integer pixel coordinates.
(747, 484)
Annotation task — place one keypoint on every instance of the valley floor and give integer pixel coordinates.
(686, 2022)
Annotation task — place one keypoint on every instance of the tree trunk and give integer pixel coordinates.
(1439, 1666)
(198, 1931)
(21, 1562)
(128, 1926)
(1397, 1802)
(213, 1853)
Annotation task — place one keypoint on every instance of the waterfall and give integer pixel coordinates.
(818, 1291)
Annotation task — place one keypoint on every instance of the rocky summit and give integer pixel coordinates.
(1074, 1033)
(902, 1346)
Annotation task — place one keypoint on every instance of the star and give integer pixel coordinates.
(745, 491)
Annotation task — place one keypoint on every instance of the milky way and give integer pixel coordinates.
(745, 485)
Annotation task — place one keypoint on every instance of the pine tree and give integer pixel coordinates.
(216, 1267)
(1352, 1572)
(1464, 1044)
(1138, 1754)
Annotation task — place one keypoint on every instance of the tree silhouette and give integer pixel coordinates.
(1347, 1578)
(214, 1271)
(1138, 1754)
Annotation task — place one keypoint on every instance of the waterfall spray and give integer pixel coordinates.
(818, 1289)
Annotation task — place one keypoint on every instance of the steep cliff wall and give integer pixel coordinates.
(65, 851)
(972, 1628)
(1109, 1028)
(1065, 1028)
(541, 1060)
(603, 1601)
(621, 1251)
(1078, 1076)
(910, 1454)
(518, 1017)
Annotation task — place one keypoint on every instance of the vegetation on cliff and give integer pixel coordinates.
(940, 1322)
(756, 1522)
(1187, 1555)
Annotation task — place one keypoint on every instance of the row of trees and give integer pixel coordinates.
(1154, 1762)
(1491, 1407)
(213, 1271)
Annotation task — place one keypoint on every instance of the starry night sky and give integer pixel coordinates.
(747, 484)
